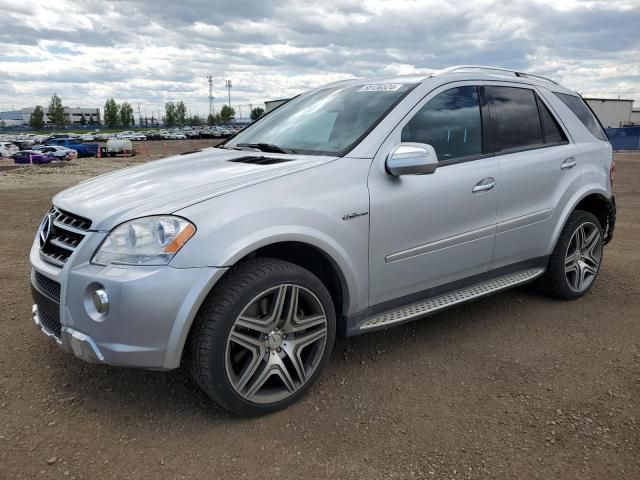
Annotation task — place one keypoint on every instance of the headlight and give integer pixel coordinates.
(145, 241)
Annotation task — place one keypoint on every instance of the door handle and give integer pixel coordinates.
(568, 163)
(484, 185)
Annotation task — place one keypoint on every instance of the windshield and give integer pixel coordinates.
(326, 122)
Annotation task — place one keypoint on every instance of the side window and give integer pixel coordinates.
(450, 122)
(516, 119)
(584, 113)
(551, 131)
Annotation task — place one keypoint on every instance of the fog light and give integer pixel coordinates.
(101, 301)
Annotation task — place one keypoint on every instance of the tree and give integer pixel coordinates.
(37, 118)
(126, 114)
(211, 120)
(226, 113)
(111, 113)
(83, 120)
(169, 114)
(181, 113)
(256, 113)
(56, 111)
(91, 119)
(194, 121)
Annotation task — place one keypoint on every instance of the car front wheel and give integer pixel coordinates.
(262, 336)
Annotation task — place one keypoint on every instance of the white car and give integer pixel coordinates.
(7, 149)
(61, 153)
(87, 137)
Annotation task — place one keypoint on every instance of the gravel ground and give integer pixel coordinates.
(512, 386)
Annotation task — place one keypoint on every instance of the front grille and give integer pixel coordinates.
(50, 323)
(48, 286)
(62, 232)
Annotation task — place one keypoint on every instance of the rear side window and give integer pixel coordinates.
(516, 120)
(450, 122)
(551, 131)
(584, 113)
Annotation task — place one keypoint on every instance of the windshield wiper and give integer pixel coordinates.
(266, 147)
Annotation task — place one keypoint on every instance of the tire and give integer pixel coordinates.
(244, 334)
(562, 279)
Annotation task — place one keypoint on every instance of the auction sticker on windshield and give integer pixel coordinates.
(381, 87)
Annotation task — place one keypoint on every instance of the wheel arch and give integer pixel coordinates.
(591, 199)
(306, 254)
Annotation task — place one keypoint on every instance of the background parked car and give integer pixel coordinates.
(61, 153)
(83, 149)
(32, 156)
(7, 149)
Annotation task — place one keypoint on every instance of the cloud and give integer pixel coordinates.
(148, 52)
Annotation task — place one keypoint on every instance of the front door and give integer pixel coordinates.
(429, 230)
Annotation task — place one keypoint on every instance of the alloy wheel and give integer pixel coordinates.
(276, 343)
(583, 257)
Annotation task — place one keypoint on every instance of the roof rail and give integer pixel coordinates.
(457, 68)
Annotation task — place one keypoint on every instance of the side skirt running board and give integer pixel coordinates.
(446, 300)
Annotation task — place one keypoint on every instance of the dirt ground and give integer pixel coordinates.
(512, 386)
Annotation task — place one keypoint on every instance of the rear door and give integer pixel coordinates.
(536, 167)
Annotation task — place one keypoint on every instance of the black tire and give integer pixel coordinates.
(555, 282)
(207, 345)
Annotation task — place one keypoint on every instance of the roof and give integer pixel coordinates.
(464, 72)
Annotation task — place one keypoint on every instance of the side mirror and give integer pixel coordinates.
(412, 159)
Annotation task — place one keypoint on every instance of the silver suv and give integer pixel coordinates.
(357, 206)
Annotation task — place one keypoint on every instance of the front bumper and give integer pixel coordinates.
(150, 310)
(70, 340)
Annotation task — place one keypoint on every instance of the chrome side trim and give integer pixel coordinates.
(441, 244)
(449, 299)
(525, 220)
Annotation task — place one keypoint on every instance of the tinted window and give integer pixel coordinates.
(516, 118)
(450, 122)
(551, 131)
(586, 116)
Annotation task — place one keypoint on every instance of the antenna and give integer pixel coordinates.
(210, 78)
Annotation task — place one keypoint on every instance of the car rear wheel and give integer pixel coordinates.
(575, 262)
(262, 336)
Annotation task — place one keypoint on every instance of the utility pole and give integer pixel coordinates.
(228, 86)
(210, 78)
(139, 116)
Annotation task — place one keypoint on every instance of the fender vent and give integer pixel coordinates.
(261, 160)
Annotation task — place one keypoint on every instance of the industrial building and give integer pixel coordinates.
(612, 112)
(73, 116)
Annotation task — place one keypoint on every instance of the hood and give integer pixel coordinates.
(170, 184)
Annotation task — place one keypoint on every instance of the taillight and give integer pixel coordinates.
(612, 173)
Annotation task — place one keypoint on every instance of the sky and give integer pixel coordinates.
(148, 52)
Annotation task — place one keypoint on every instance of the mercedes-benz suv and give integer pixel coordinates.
(357, 206)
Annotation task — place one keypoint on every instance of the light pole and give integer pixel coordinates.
(228, 85)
